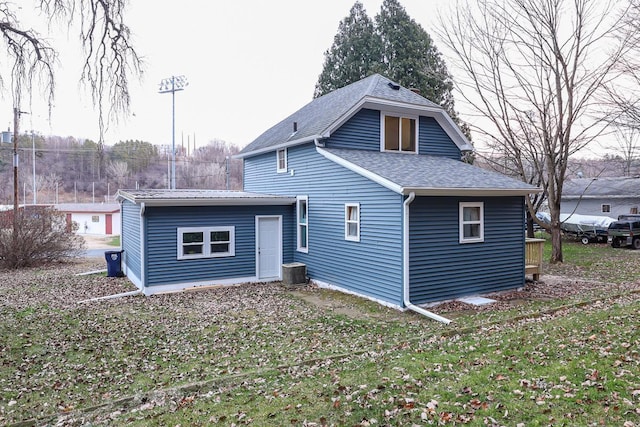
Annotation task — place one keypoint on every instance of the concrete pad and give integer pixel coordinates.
(476, 300)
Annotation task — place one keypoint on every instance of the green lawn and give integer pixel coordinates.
(270, 355)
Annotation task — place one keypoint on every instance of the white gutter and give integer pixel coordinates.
(405, 265)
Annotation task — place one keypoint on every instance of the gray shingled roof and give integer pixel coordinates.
(601, 187)
(317, 117)
(429, 175)
(191, 197)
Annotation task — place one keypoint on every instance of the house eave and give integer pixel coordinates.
(214, 202)
(207, 201)
(270, 148)
(603, 197)
(469, 192)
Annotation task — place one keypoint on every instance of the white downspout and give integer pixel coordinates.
(405, 265)
(143, 283)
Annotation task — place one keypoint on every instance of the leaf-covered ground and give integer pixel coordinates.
(561, 352)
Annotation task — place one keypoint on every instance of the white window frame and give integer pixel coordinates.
(284, 168)
(480, 222)
(299, 225)
(348, 221)
(206, 252)
(383, 133)
(602, 208)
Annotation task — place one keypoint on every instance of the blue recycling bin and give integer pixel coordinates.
(114, 263)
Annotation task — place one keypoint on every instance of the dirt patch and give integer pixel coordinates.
(345, 304)
(547, 289)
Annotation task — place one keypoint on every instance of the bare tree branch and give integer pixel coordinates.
(533, 71)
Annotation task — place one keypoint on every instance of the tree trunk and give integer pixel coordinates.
(556, 237)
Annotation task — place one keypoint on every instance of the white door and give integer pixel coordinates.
(268, 247)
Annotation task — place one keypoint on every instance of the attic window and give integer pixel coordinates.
(399, 133)
(281, 160)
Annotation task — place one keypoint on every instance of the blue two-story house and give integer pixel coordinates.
(365, 186)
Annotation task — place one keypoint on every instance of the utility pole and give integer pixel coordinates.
(33, 160)
(16, 121)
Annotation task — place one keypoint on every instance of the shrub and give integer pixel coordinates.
(43, 236)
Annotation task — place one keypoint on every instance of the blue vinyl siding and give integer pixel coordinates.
(370, 267)
(131, 237)
(442, 268)
(161, 246)
(361, 132)
(434, 141)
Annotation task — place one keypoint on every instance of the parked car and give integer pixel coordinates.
(624, 233)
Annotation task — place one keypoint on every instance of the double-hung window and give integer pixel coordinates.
(352, 221)
(399, 133)
(302, 208)
(471, 222)
(206, 242)
(281, 159)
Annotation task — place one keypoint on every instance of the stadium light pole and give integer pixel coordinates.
(172, 85)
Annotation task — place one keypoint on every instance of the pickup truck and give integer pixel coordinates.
(624, 233)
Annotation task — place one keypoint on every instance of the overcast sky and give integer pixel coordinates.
(249, 64)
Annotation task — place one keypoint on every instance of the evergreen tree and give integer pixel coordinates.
(355, 53)
(410, 57)
(395, 46)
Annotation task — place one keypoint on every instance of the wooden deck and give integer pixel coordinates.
(533, 257)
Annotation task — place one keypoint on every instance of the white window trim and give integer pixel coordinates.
(401, 116)
(206, 231)
(355, 238)
(462, 223)
(602, 208)
(278, 168)
(298, 239)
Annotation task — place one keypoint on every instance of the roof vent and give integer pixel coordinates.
(415, 90)
(295, 127)
(394, 86)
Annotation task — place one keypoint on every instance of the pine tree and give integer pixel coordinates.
(410, 57)
(355, 53)
(395, 46)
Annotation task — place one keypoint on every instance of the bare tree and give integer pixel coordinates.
(627, 147)
(119, 172)
(109, 58)
(532, 70)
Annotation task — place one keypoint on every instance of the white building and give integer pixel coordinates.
(93, 218)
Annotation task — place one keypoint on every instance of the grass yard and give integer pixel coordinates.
(268, 355)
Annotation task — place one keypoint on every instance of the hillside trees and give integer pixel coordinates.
(137, 155)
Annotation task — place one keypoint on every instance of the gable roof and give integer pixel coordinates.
(426, 175)
(600, 188)
(322, 116)
(191, 197)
